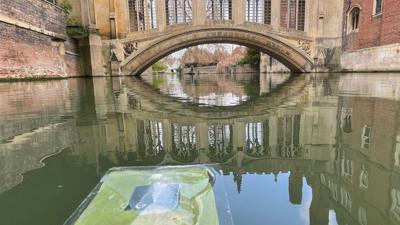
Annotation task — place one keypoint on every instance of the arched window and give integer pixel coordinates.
(378, 7)
(151, 141)
(220, 142)
(152, 13)
(178, 11)
(257, 139)
(353, 20)
(184, 147)
(219, 9)
(136, 15)
(293, 14)
(258, 11)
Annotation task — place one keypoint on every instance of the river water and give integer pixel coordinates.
(295, 150)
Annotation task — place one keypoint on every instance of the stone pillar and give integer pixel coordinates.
(91, 49)
(295, 188)
(161, 15)
(239, 11)
(92, 13)
(167, 128)
(91, 46)
(275, 13)
(113, 24)
(199, 12)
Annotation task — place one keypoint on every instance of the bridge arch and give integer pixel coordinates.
(277, 47)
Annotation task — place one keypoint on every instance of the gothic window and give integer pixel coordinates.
(334, 190)
(365, 138)
(184, 143)
(293, 14)
(151, 142)
(219, 9)
(220, 142)
(395, 208)
(346, 120)
(258, 11)
(152, 13)
(364, 178)
(178, 11)
(289, 136)
(362, 216)
(257, 139)
(345, 199)
(354, 20)
(397, 152)
(347, 169)
(378, 7)
(136, 15)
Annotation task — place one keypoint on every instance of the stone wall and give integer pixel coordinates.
(33, 40)
(382, 58)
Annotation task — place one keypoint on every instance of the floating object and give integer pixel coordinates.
(171, 195)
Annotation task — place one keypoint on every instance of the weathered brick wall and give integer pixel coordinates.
(36, 12)
(374, 30)
(26, 52)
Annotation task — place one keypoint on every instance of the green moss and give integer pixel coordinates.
(30, 78)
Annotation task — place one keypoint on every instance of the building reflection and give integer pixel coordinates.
(346, 146)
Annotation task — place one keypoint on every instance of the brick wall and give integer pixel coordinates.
(26, 52)
(374, 30)
(39, 13)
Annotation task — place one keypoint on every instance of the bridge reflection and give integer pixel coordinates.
(344, 142)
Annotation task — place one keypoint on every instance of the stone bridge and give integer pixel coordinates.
(144, 31)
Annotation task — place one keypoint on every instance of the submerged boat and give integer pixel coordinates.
(157, 196)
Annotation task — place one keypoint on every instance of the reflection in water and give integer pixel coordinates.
(301, 150)
(220, 142)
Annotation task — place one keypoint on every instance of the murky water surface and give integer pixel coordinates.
(312, 149)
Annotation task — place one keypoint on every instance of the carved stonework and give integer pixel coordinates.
(305, 46)
(130, 48)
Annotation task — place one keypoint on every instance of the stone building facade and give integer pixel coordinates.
(371, 35)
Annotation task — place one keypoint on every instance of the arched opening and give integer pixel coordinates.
(290, 56)
(353, 20)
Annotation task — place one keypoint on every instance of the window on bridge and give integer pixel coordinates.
(219, 9)
(152, 13)
(136, 15)
(178, 11)
(293, 14)
(258, 11)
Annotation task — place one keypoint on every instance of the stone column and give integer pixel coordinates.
(199, 12)
(161, 15)
(113, 24)
(238, 11)
(275, 13)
